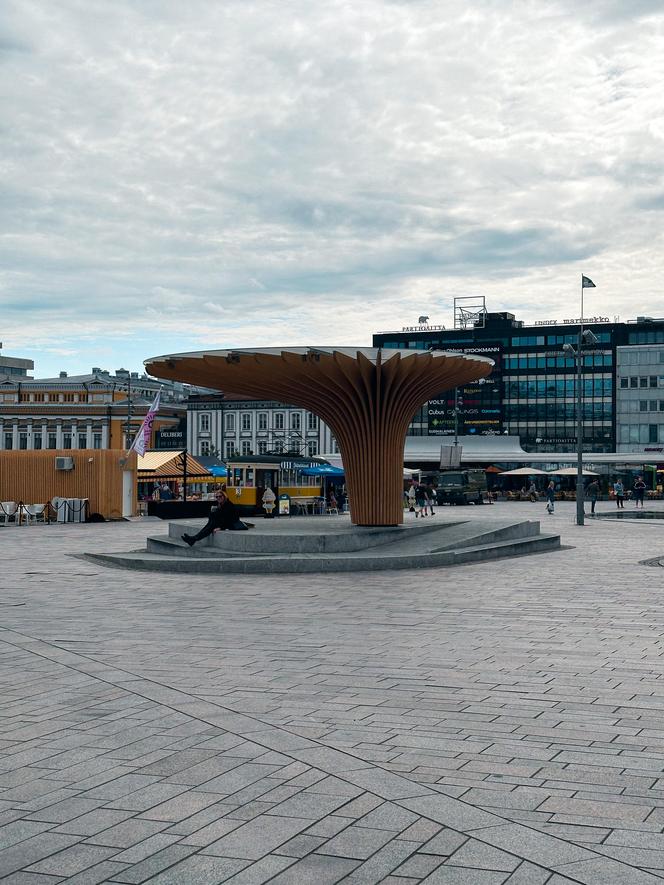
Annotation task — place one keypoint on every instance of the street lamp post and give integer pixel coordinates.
(586, 337)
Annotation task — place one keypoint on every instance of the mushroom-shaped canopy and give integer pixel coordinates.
(366, 395)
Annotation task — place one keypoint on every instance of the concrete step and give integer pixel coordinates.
(311, 563)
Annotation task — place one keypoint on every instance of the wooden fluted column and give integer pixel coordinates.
(367, 397)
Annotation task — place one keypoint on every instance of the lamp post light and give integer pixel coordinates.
(586, 337)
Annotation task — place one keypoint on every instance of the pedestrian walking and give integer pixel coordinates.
(411, 498)
(420, 501)
(619, 492)
(532, 492)
(433, 499)
(550, 497)
(639, 491)
(592, 493)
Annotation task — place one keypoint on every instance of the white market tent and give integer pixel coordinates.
(572, 471)
(524, 471)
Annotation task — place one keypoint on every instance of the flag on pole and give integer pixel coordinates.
(587, 283)
(142, 438)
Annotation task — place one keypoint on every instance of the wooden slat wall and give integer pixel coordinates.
(31, 477)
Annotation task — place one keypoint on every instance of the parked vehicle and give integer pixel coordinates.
(458, 486)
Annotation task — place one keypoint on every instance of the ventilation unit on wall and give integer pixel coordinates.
(64, 463)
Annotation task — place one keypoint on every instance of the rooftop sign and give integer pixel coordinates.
(423, 328)
(572, 322)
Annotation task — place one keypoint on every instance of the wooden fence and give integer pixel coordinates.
(31, 477)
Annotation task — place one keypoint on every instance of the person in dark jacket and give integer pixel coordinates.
(224, 516)
(550, 496)
(592, 493)
(639, 491)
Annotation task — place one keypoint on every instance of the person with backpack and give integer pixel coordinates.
(639, 491)
(619, 492)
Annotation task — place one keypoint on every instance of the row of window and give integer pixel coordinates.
(538, 340)
(553, 410)
(50, 441)
(640, 357)
(642, 405)
(641, 433)
(654, 337)
(262, 421)
(535, 388)
(262, 448)
(634, 381)
(531, 361)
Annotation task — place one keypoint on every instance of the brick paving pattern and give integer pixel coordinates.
(493, 723)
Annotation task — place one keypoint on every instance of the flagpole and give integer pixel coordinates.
(580, 512)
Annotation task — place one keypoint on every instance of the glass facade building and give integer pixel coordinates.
(531, 392)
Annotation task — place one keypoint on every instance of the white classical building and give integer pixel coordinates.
(227, 426)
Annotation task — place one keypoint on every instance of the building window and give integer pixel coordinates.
(37, 441)
(66, 440)
(335, 447)
(82, 440)
(9, 440)
(653, 380)
(652, 433)
(295, 421)
(312, 421)
(633, 381)
(246, 447)
(230, 421)
(643, 405)
(230, 448)
(312, 448)
(23, 440)
(204, 422)
(204, 447)
(246, 421)
(643, 381)
(52, 440)
(262, 420)
(262, 447)
(624, 382)
(279, 421)
(96, 441)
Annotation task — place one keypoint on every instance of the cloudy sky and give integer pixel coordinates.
(216, 173)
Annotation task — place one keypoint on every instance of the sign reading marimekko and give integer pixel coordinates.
(585, 321)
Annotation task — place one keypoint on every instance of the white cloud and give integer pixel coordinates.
(258, 173)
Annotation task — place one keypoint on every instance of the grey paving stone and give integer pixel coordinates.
(444, 843)
(388, 817)
(419, 865)
(65, 810)
(200, 870)
(31, 879)
(181, 806)
(127, 833)
(258, 837)
(93, 822)
(300, 845)
(529, 874)
(31, 850)
(381, 864)
(72, 860)
(356, 842)
(311, 805)
(449, 875)
(153, 865)
(315, 868)
(480, 856)
(20, 830)
(330, 826)
(261, 871)
(603, 871)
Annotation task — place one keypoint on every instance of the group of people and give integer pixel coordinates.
(593, 492)
(420, 499)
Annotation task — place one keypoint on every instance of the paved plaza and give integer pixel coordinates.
(476, 725)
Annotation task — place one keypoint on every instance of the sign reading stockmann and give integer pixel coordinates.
(479, 404)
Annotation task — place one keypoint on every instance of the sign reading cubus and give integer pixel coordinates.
(479, 405)
(366, 396)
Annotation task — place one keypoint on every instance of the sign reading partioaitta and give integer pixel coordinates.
(423, 328)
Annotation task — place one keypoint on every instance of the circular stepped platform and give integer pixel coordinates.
(333, 545)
